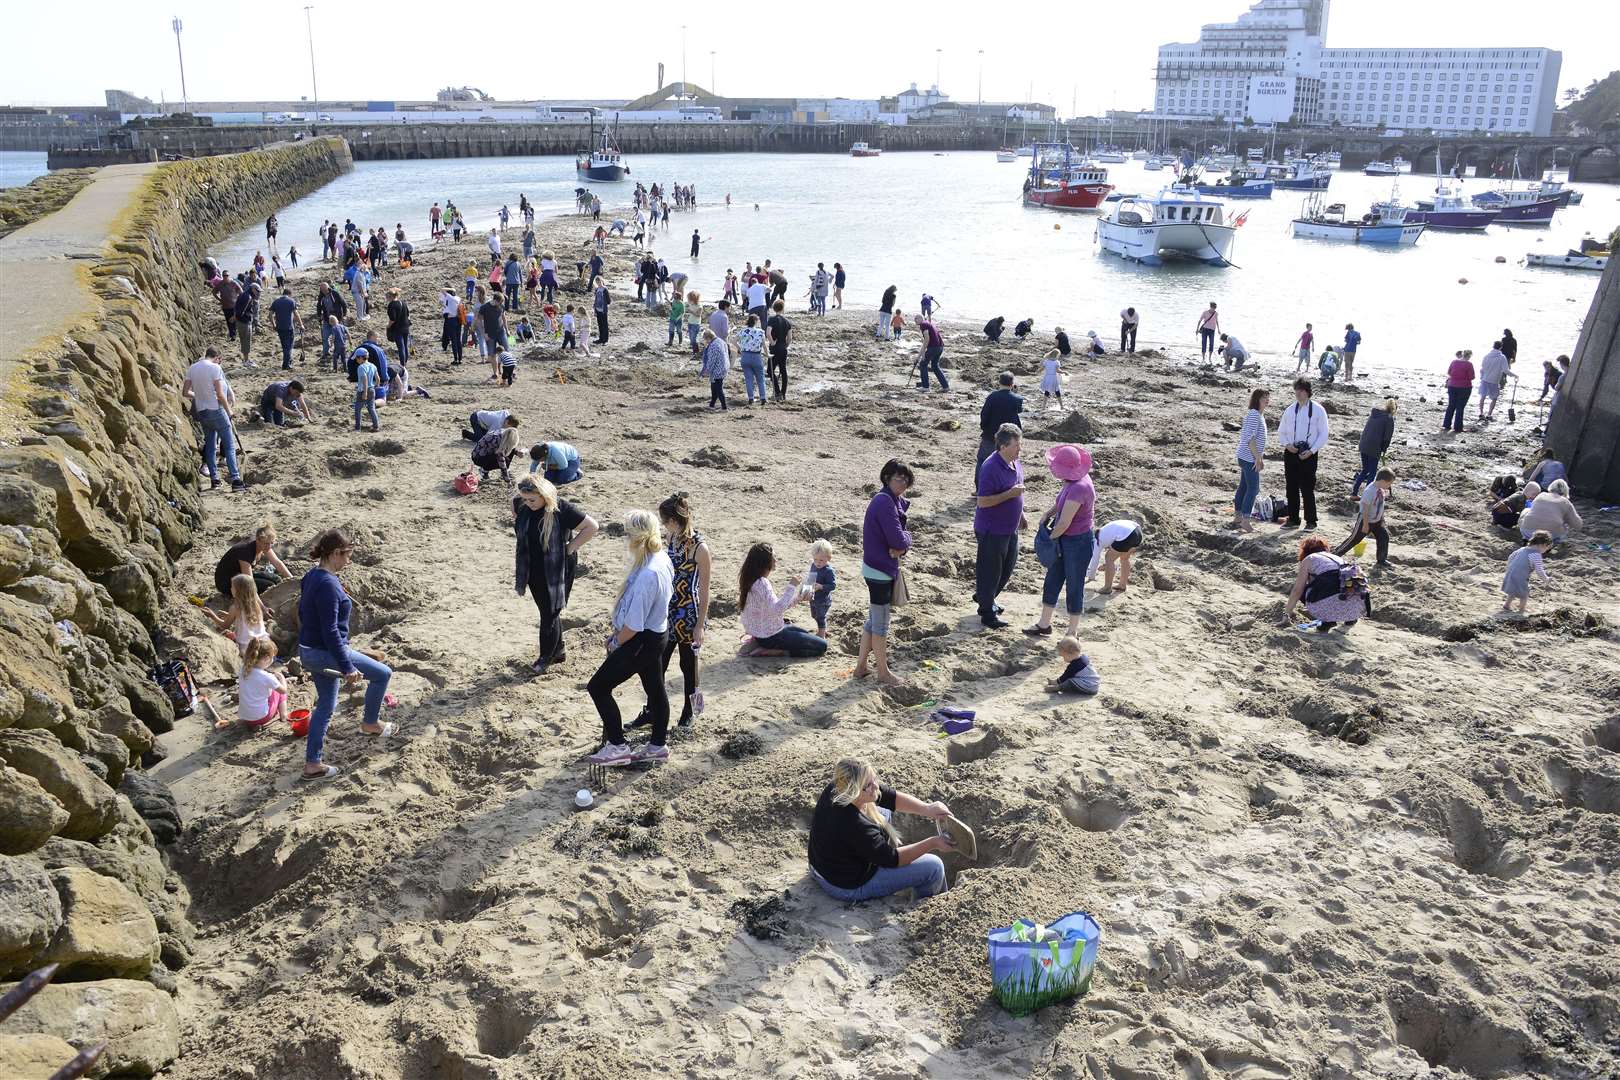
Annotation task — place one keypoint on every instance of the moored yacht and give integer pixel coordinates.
(1170, 225)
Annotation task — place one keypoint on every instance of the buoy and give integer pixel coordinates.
(1501, 258)
(1462, 281)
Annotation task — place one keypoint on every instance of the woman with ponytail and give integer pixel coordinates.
(855, 853)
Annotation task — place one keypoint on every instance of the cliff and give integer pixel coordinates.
(98, 493)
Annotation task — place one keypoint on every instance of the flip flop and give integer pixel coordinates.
(327, 773)
(388, 729)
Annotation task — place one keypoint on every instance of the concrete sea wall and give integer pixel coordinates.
(1584, 429)
(98, 493)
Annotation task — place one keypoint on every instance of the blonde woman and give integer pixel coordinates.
(550, 532)
(245, 557)
(636, 645)
(855, 853)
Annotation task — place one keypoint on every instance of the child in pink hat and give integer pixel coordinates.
(1071, 522)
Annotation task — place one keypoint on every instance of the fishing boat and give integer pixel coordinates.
(1170, 225)
(1517, 206)
(1111, 157)
(1383, 168)
(1059, 180)
(1153, 164)
(1025, 151)
(1333, 158)
(860, 149)
(604, 163)
(1555, 189)
(1448, 211)
(1298, 174)
(1386, 226)
(1140, 154)
(1573, 260)
(1004, 155)
(1236, 185)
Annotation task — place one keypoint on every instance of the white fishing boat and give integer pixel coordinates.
(1110, 157)
(1025, 151)
(1140, 154)
(1150, 229)
(1386, 225)
(1005, 155)
(1572, 260)
(1380, 168)
(1153, 164)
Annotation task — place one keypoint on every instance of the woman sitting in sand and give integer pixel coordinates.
(550, 532)
(246, 557)
(1320, 584)
(855, 853)
(884, 542)
(323, 649)
(635, 648)
(1552, 511)
(762, 610)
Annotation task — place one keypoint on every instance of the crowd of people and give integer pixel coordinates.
(662, 603)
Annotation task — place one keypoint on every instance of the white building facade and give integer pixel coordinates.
(1272, 65)
(1463, 90)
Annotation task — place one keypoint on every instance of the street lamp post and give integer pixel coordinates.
(981, 76)
(712, 90)
(185, 99)
(683, 59)
(314, 89)
(937, 54)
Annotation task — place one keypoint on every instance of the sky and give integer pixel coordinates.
(1074, 57)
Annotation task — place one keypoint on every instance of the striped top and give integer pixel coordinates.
(1254, 430)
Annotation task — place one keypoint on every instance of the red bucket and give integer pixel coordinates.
(299, 719)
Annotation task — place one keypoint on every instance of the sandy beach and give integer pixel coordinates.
(1386, 853)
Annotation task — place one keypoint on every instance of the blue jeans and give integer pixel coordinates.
(217, 428)
(560, 477)
(930, 360)
(1069, 571)
(368, 402)
(286, 347)
(692, 333)
(1367, 474)
(326, 340)
(753, 367)
(326, 691)
(1456, 407)
(795, 642)
(925, 874)
(1248, 488)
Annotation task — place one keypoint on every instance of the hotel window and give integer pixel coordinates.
(1524, 112)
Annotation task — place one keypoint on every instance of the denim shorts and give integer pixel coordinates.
(881, 596)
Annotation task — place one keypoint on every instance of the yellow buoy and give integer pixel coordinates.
(1056, 226)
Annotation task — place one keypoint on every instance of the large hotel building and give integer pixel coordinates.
(1272, 65)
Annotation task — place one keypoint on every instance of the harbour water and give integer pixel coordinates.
(953, 226)
(17, 167)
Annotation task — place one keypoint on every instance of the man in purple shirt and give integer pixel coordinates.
(933, 347)
(997, 519)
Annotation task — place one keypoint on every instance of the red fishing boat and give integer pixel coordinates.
(1059, 180)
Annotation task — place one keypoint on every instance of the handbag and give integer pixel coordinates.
(1046, 547)
(465, 483)
(902, 594)
(1032, 966)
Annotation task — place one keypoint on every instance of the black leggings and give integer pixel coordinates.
(778, 372)
(641, 656)
(689, 673)
(551, 646)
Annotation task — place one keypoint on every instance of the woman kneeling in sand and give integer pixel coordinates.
(855, 853)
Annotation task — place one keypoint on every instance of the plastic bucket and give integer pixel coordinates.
(1028, 975)
(299, 720)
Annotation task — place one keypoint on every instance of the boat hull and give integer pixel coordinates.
(866, 153)
(1311, 183)
(1452, 220)
(1252, 189)
(602, 173)
(1074, 197)
(1153, 245)
(1569, 262)
(1354, 233)
(1536, 213)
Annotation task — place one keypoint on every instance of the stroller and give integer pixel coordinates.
(1328, 367)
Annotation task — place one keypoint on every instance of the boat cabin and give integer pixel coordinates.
(1169, 210)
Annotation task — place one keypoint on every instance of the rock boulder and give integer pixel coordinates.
(106, 930)
(35, 1057)
(136, 1020)
(89, 803)
(30, 915)
(29, 815)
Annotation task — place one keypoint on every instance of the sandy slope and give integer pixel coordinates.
(1344, 856)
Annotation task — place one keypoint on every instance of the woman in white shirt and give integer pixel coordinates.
(636, 646)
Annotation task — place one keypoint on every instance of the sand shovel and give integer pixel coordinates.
(1512, 398)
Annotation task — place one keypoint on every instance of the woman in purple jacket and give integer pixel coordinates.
(884, 542)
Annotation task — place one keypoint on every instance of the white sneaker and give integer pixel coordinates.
(612, 754)
(650, 753)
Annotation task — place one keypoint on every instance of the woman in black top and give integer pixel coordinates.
(885, 310)
(550, 532)
(855, 854)
(399, 326)
(244, 557)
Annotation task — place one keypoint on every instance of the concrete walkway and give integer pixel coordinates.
(41, 291)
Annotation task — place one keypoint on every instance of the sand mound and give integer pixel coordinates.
(1075, 427)
(712, 457)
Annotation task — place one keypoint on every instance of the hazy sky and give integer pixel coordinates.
(407, 49)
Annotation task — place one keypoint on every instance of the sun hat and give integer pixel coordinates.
(1069, 462)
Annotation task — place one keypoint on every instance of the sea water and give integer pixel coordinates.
(953, 225)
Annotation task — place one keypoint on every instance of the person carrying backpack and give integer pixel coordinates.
(1332, 589)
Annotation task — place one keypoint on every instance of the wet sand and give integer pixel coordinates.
(1372, 854)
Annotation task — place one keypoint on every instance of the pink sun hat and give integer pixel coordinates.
(1069, 462)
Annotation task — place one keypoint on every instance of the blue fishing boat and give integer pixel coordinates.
(1386, 226)
(1298, 175)
(1238, 185)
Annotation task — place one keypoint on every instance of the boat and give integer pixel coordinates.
(1380, 168)
(1170, 225)
(1025, 151)
(1333, 158)
(1298, 175)
(1153, 164)
(1139, 154)
(1555, 189)
(1448, 211)
(860, 149)
(1517, 206)
(1109, 156)
(1573, 260)
(1240, 184)
(1059, 180)
(603, 163)
(1386, 226)
(1005, 155)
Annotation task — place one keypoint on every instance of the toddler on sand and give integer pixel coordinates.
(1520, 565)
(1078, 677)
(820, 581)
(261, 693)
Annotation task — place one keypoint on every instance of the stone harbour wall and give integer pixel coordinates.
(98, 493)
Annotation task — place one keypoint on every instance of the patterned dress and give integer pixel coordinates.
(683, 602)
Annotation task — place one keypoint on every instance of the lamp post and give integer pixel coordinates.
(712, 90)
(683, 59)
(185, 99)
(981, 76)
(937, 54)
(314, 90)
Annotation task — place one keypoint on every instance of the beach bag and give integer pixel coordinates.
(1033, 966)
(465, 484)
(902, 593)
(1046, 548)
(1269, 508)
(174, 679)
